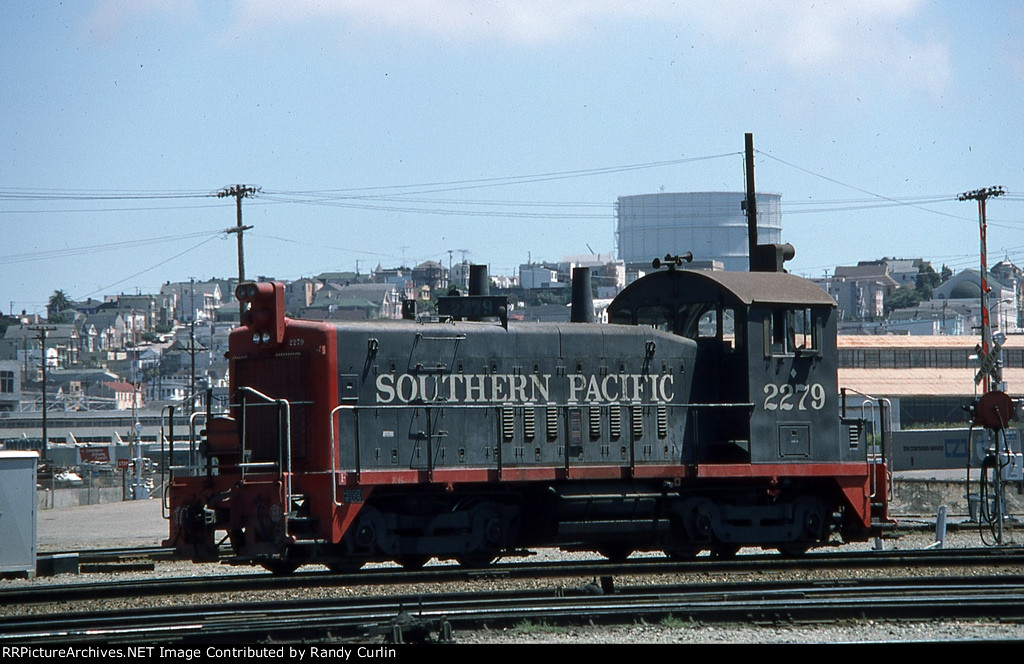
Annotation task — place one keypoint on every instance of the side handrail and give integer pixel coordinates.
(334, 464)
(884, 419)
(284, 439)
(193, 445)
(165, 508)
(430, 435)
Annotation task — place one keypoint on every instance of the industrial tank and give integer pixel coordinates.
(712, 225)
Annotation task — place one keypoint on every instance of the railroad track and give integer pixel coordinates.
(409, 617)
(443, 574)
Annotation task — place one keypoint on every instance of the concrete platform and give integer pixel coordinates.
(141, 523)
(110, 525)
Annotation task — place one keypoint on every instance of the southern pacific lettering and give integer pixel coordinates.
(522, 389)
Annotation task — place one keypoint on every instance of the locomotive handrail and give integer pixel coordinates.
(442, 337)
(334, 465)
(460, 404)
(164, 507)
(258, 464)
(167, 434)
(272, 402)
(884, 406)
(167, 415)
(430, 436)
(284, 442)
(193, 453)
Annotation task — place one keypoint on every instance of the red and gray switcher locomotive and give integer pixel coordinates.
(704, 415)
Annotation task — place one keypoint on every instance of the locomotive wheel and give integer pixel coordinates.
(345, 567)
(683, 553)
(794, 549)
(476, 560)
(725, 551)
(616, 552)
(280, 567)
(413, 561)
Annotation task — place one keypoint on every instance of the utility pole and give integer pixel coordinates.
(239, 191)
(42, 330)
(988, 356)
(192, 347)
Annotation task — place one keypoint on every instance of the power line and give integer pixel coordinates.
(454, 185)
(9, 193)
(111, 209)
(148, 269)
(863, 191)
(65, 252)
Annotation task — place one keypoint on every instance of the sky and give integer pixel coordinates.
(392, 132)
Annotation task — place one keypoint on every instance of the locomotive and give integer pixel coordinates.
(704, 416)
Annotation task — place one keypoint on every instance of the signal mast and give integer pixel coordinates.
(995, 408)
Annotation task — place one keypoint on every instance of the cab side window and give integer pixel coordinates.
(793, 332)
(710, 321)
(659, 317)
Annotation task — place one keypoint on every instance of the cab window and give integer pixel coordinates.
(709, 321)
(793, 332)
(658, 316)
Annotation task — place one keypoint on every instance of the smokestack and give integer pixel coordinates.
(750, 202)
(479, 283)
(582, 297)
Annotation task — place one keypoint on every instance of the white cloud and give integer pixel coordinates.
(879, 39)
(110, 18)
(512, 21)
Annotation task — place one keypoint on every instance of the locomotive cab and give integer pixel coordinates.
(764, 385)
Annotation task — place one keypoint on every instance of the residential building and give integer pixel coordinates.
(356, 302)
(430, 273)
(125, 396)
(533, 276)
(860, 290)
(194, 301)
(10, 385)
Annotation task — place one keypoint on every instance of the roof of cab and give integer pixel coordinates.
(740, 287)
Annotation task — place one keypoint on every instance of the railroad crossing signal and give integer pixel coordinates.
(989, 365)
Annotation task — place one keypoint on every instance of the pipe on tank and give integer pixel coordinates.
(582, 310)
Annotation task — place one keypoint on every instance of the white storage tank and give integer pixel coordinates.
(711, 224)
(18, 512)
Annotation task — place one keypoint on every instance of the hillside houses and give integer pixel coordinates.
(356, 302)
(164, 345)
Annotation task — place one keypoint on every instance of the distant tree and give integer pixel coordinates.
(553, 296)
(927, 279)
(902, 298)
(58, 305)
(946, 274)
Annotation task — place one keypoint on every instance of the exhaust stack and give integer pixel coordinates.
(479, 282)
(582, 310)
